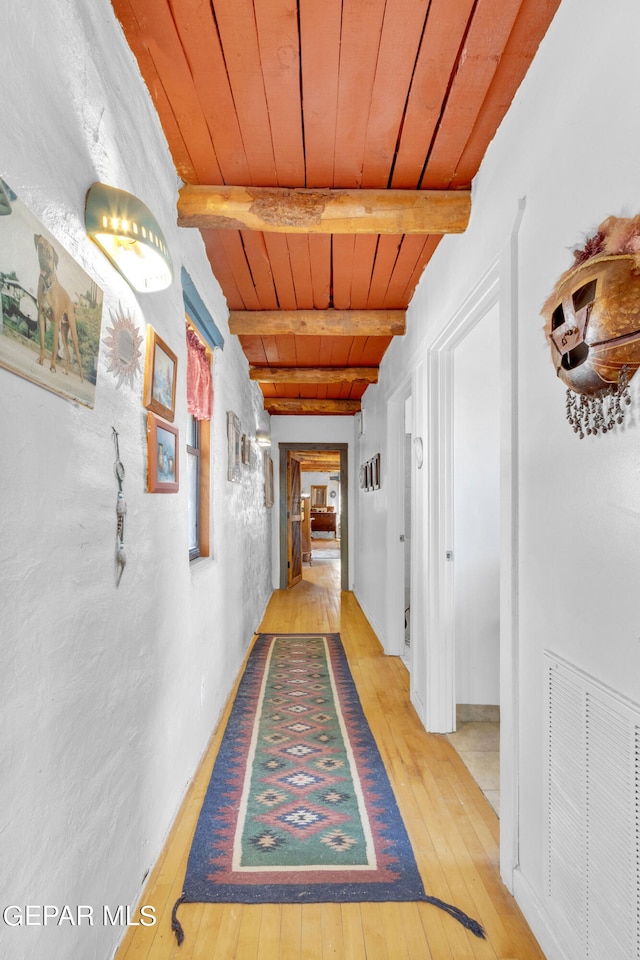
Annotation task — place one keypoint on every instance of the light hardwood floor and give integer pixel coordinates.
(452, 827)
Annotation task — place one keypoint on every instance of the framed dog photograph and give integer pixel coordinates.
(160, 372)
(162, 456)
(50, 308)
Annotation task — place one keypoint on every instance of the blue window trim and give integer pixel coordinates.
(198, 313)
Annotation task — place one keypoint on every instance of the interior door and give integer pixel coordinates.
(294, 520)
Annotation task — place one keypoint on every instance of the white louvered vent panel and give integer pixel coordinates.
(637, 843)
(593, 814)
(611, 861)
(565, 798)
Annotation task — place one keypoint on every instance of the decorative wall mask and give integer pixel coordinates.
(592, 325)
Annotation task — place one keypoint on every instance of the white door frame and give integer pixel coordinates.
(410, 387)
(395, 521)
(440, 688)
(498, 286)
(396, 516)
(284, 447)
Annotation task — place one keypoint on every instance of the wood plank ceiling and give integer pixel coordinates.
(305, 97)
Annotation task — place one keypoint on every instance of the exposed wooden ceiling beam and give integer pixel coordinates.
(320, 466)
(285, 210)
(314, 374)
(301, 405)
(318, 323)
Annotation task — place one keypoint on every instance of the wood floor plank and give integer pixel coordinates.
(332, 935)
(352, 932)
(291, 931)
(397, 946)
(453, 830)
(311, 939)
(249, 932)
(270, 926)
(374, 938)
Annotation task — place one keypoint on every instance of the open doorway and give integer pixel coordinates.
(322, 495)
(496, 289)
(475, 560)
(318, 476)
(408, 525)
(404, 635)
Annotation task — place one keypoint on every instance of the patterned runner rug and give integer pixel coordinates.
(299, 807)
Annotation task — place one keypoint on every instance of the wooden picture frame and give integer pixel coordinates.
(268, 480)
(376, 472)
(162, 456)
(370, 474)
(234, 447)
(246, 449)
(160, 374)
(319, 495)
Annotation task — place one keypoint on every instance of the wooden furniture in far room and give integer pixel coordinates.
(306, 531)
(324, 519)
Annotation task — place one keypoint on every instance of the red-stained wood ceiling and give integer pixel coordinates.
(327, 94)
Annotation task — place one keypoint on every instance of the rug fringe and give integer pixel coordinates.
(176, 926)
(461, 917)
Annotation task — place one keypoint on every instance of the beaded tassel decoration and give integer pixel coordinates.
(121, 512)
(601, 411)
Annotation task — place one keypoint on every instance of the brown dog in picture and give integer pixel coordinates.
(54, 305)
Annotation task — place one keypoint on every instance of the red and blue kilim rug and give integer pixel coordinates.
(299, 808)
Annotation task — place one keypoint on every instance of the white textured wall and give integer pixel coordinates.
(570, 146)
(107, 695)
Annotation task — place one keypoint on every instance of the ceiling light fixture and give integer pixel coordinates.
(128, 234)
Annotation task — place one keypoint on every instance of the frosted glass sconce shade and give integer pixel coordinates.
(128, 234)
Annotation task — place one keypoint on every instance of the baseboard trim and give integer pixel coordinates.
(372, 620)
(477, 713)
(538, 918)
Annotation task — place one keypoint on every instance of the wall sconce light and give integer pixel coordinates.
(128, 234)
(263, 438)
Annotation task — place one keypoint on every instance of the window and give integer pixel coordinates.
(193, 480)
(198, 448)
(203, 337)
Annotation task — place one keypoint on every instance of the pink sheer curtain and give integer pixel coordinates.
(199, 380)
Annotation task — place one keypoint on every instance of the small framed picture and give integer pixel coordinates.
(246, 449)
(162, 456)
(234, 447)
(160, 371)
(268, 480)
(376, 472)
